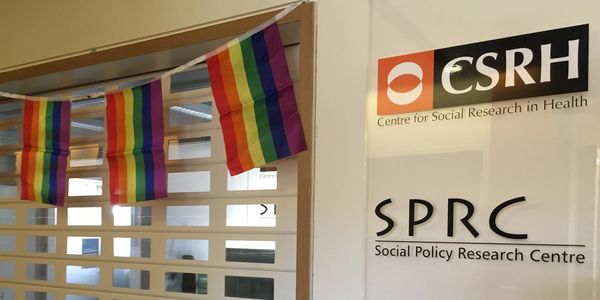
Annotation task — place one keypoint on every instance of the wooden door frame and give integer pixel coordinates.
(304, 15)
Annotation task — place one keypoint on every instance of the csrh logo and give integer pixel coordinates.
(405, 83)
(537, 64)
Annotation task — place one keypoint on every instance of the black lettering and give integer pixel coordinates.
(494, 215)
(537, 64)
(464, 220)
(377, 250)
(390, 222)
(411, 214)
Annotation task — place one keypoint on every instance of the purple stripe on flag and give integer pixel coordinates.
(63, 145)
(158, 154)
(157, 112)
(285, 89)
(160, 172)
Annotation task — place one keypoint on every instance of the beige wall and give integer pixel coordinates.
(340, 154)
(33, 30)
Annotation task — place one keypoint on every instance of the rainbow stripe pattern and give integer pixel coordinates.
(135, 136)
(254, 95)
(45, 150)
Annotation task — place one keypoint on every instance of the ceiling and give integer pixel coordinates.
(92, 77)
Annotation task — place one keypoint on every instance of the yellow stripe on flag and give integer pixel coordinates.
(39, 154)
(129, 143)
(241, 81)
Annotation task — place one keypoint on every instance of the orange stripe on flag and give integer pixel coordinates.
(121, 189)
(33, 142)
(236, 109)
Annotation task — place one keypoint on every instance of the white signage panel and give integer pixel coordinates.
(484, 174)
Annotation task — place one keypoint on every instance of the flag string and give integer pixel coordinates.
(169, 73)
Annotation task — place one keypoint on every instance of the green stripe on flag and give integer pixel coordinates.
(138, 129)
(46, 154)
(260, 107)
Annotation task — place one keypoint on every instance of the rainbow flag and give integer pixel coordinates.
(254, 95)
(45, 150)
(134, 144)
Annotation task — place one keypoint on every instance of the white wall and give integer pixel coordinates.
(546, 156)
(340, 171)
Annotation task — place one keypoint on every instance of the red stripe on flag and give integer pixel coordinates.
(111, 142)
(231, 148)
(25, 161)
(235, 105)
(33, 146)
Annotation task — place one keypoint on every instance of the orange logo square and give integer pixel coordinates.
(405, 83)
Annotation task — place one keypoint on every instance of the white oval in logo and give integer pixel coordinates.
(405, 68)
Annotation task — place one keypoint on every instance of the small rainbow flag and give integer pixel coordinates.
(135, 136)
(45, 150)
(254, 95)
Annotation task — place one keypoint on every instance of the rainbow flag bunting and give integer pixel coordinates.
(45, 150)
(254, 95)
(135, 136)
